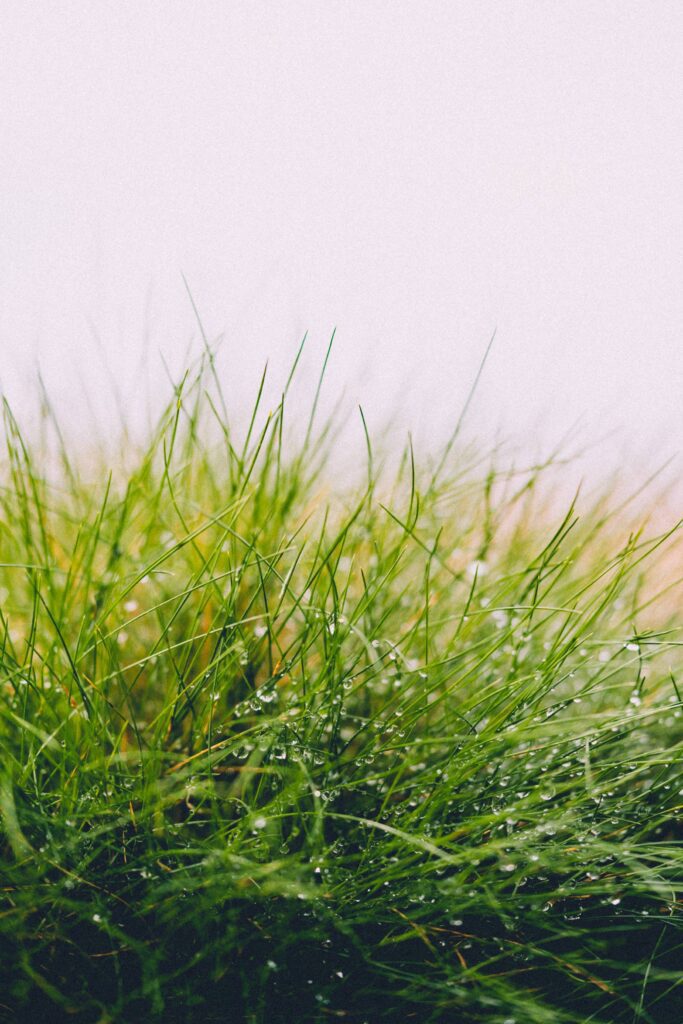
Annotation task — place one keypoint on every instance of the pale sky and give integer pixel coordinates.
(414, 173)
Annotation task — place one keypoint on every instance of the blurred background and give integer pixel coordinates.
(416, 175)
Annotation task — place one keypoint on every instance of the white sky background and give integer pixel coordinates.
(415, 173)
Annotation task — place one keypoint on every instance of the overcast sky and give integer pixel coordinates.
(414, 173)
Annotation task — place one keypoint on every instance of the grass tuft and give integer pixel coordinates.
(276, 750)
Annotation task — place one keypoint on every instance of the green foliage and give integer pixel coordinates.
(277, 751)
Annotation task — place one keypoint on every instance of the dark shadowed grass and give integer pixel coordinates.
(278, 750)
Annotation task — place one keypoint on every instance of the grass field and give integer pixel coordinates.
(278, 747)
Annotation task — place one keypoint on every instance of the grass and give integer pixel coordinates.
(274, 750)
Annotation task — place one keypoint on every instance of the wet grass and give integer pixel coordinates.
(276, 750)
